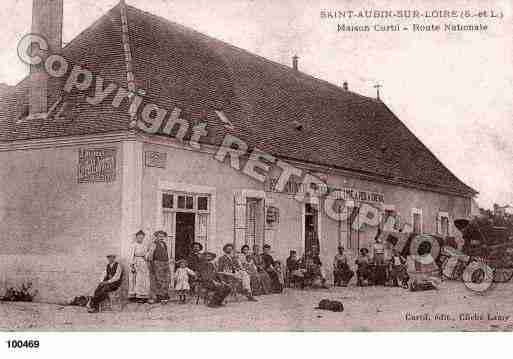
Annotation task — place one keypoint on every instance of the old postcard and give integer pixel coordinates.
(328, 165)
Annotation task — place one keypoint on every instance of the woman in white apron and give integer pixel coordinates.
(139, 276)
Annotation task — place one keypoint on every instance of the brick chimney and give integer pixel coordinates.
(47, 22)
(295, 61)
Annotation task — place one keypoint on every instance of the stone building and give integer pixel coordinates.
(80, 173)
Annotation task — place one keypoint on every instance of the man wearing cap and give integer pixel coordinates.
(139, 275)
(268, 262)
(194, 259)
(211, 281)
(110, 282)
(228, 265)
(158, 256)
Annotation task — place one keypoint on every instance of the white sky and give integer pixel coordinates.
(453, 90)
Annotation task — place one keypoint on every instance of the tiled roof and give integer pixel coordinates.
(179, 67)
(98, 49)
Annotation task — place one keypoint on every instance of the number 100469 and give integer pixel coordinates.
(22, 344)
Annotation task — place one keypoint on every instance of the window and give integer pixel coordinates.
(181, 202)
(389, 220)
(202, 203)
(185, 202)
(442, 224)
(254, 221)
(167, 200)
(416, 220)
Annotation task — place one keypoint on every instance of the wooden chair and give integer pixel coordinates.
(114, 302)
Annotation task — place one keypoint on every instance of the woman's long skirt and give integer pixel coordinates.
(161, 279)
(139, 281)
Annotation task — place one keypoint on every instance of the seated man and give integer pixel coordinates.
(295, 273)
(230, 268)
(111, 281)
(363, 271)
(268, 265)
(314, 268)
(342, 274)
(208, 278)
(195, 257)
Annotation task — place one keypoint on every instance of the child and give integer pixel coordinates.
(182, 279)
(398, 272)
(279, 272)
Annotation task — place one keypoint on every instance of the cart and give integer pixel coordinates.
(490, 243)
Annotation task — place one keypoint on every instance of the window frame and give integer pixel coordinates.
(439, 228)
(417, 211)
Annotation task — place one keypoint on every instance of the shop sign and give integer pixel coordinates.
(358, 195)
(272, 215)
(97, 165)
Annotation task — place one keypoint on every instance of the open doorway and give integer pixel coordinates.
(185, 223)
(311, 227)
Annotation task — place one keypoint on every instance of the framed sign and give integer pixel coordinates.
(155, 159)
(272, 215)
(97, 165)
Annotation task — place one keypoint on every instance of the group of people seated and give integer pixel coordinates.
(307, 270)
(386, 267)
(249, 272)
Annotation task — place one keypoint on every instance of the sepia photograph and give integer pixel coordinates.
(255, 166)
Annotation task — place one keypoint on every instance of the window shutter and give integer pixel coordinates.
(202, 226)
(239, 220)
(169, 227)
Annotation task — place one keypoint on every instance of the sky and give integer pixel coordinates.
(452, 89)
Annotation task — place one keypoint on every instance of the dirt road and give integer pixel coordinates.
(451, 308)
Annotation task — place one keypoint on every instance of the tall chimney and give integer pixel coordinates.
(345, 86)
(295, 59)
(47, 22)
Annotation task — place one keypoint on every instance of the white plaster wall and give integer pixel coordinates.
(54, 231)
(202, 169)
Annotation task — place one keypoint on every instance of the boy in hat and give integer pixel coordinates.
(209, 280)
(111, 281)
(159, 259)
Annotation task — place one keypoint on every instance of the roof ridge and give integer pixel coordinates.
(130, 75)
(262, 58)
(427, 149)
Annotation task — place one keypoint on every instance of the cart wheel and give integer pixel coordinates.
(502, 275)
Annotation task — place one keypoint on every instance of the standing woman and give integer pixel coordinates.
(262, 274)
(159, 258)
(139, 276)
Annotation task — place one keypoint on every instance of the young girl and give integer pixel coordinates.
(182, 280)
